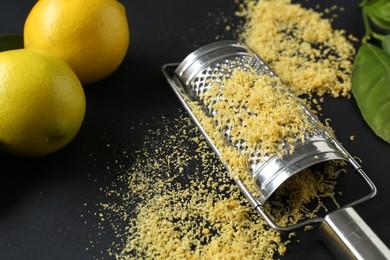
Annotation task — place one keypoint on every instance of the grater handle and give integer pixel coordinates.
(348, 237)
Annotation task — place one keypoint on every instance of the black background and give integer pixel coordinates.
(42, 200)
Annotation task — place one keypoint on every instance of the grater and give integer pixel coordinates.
(343, 230)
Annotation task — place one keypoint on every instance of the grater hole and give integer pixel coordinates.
(241, 146)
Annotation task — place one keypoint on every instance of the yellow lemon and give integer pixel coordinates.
(42, 103)
(92, 36)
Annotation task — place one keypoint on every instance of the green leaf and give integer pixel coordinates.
(386, 43)
(379, 12)
(11, 42)
(371, 88)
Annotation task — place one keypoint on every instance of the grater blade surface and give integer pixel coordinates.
(217, 61)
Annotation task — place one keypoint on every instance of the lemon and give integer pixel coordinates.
(92, 36)
(42, 103)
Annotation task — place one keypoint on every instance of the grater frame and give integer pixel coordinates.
(222, 50)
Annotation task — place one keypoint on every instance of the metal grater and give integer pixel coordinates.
(343, 230)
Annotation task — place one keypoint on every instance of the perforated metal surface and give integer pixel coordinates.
(217, 61)
(215, 73)
(218, 70)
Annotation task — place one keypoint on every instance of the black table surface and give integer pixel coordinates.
(42, 200)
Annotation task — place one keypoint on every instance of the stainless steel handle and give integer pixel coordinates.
(349, 237)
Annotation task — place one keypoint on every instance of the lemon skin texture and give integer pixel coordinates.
(92, 36)
(42, 103)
